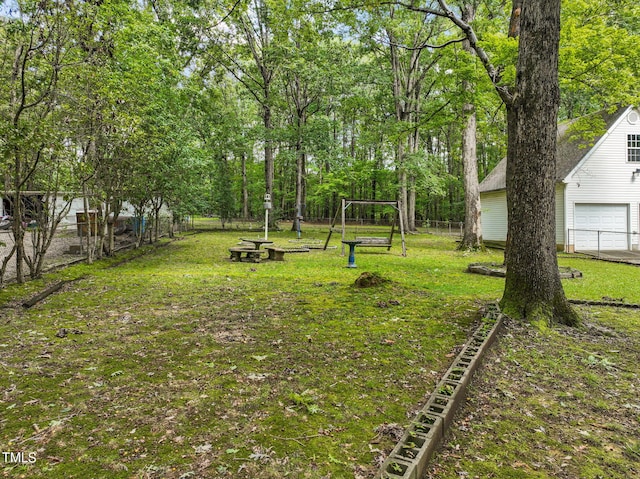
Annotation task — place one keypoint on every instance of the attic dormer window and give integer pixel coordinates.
(633, 148)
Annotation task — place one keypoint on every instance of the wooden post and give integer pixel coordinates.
(344, 223)
(404, 248)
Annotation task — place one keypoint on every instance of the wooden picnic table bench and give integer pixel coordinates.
(247, 253)
(250, 254)
(276, 253)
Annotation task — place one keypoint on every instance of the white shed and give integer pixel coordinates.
(597, 186)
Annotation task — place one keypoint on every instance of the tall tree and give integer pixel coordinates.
(36, 40)
(532, 287)
(599, 65)
(253, 61)
(411, 56)
(472, 237)
(311, 58)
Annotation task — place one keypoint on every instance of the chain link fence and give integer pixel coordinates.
(444, 228)
(602, 242)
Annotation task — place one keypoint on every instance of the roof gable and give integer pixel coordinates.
(573, 148)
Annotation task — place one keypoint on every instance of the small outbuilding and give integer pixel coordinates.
(597, 185)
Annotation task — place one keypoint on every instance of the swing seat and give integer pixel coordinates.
(374, 241)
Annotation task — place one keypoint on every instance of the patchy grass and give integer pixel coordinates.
(182, 364)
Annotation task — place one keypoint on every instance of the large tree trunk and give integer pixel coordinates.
(87, 223)
(532, 288)
(472, 238)
(17, 107)
(413, 147)
(300, 98)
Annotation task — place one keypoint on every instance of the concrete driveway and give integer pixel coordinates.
(620, 256)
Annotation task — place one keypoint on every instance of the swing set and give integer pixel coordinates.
(369, 241)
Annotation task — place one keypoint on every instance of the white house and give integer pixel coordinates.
(597, 187)
(61, 202)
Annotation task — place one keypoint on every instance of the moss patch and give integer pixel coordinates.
(369, 280)
(180, 363)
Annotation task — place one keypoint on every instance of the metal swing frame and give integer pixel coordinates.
(346, 203)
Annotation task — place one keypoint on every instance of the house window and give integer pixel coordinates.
(633, 148)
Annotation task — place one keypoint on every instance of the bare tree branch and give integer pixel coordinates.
(494, 72)
(423, 45)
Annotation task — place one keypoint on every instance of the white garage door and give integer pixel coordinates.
(606, 219)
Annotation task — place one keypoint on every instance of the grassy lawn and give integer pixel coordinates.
(181, 364)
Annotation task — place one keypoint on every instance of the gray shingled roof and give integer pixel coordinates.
(571, 149)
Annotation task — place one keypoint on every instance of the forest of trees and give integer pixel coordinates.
(206, 105)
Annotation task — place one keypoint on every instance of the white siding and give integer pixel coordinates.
(561, 228)
(606, 178)
(77, 206)
(494, 216)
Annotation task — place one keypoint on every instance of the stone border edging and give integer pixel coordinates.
(613, 304)
(409, 459)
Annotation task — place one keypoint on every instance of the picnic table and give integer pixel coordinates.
(252, 254)
(257, 241)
